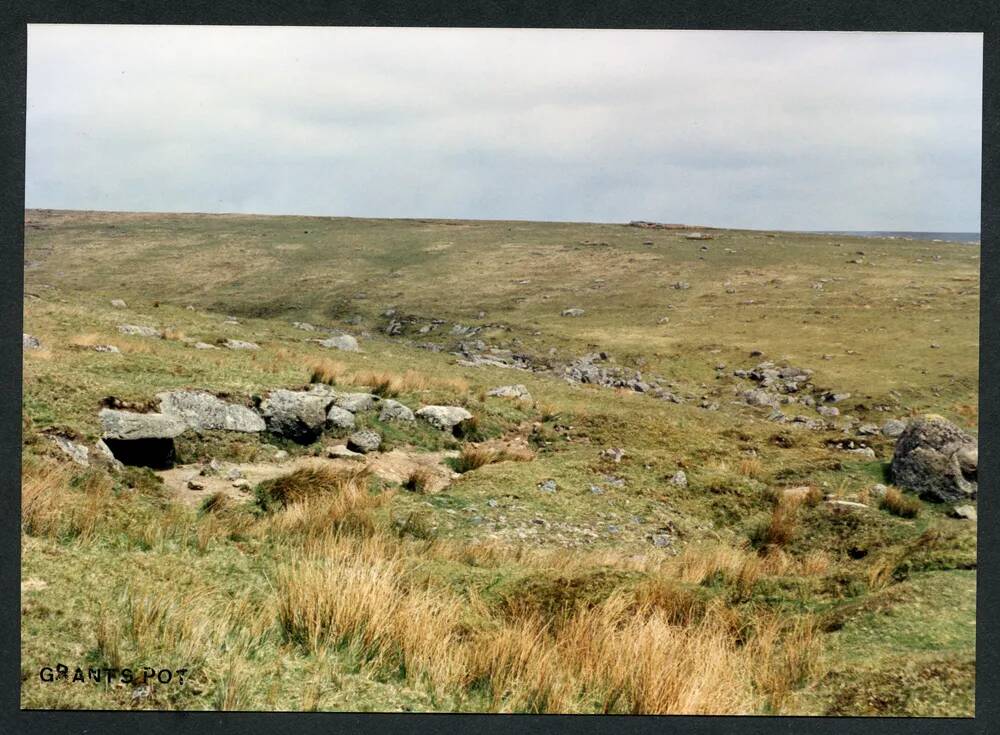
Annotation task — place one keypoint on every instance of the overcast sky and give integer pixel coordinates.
(739, 129)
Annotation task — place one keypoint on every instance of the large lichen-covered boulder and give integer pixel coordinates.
(202, 411)
(142, 439)
(296, 415)
(937, 460)
(355, 402)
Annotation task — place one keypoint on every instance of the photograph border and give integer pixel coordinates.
(832, 15)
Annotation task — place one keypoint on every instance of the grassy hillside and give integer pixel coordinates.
(493, 594)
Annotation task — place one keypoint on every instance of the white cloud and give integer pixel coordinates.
(795, 130)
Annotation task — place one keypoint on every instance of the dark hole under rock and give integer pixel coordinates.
(157, 454)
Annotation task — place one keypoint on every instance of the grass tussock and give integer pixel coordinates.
(751, 467)
(420, 480)
(780, 527)
(898, 504)
(327, 371)
(474, 456)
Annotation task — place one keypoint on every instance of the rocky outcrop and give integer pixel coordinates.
(202, 411)
(143, 439)
(937, 460)
(76, 452)
(296, 415)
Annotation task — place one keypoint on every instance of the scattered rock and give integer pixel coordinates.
(364, 441)
(239, 344)
(572, 312)
(964, 512)
(202, 411)
(118, 304)
(893, 427)
(241, 484)
(194, 484)
(136, 330)
(937, 460)
(296, 415)
(878, 490)
(339, 418)
(445, 418)
(234, 474)
(395, 411)
(76, 452)
(204, 346)
(547, 486)
(344, 342)
(844, 506)
(29, 342)
(304, 326)
(681, 285)
(868, 429)
(340, 451)
(518, 391)
(107, 348)
(828, 411)
(615, 454)
(661, 540)
(595, 490)
(679, 479)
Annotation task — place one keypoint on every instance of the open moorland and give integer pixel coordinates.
(431, 465)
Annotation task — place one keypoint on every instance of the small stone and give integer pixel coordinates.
(868, 429)
(661, 540)
(615, 454)
(964, 512)
(679, 479)
(30, 342)
(893, 427)
(518, 391)
(136, 330)
(878, 490)
(118, 304)
(828, 411)
(76, 452)
(234, 474)
(344, 342)
(548, 486)
(594, 489)
(204, 346)
(572, 312)
(364, 441)
(340, 451)
(239, 344)
(280, 455)
(194, 484)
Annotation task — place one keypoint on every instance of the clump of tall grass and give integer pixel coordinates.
(898, 504)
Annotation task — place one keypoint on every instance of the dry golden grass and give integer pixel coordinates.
(656, 649)
(384, 383)
(51, 507)
(782, 525)
(751, 467)
(420, 480)
(899, 504)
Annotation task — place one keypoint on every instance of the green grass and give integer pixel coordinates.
(876, 321)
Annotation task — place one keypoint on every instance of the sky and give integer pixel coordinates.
(770, 130)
